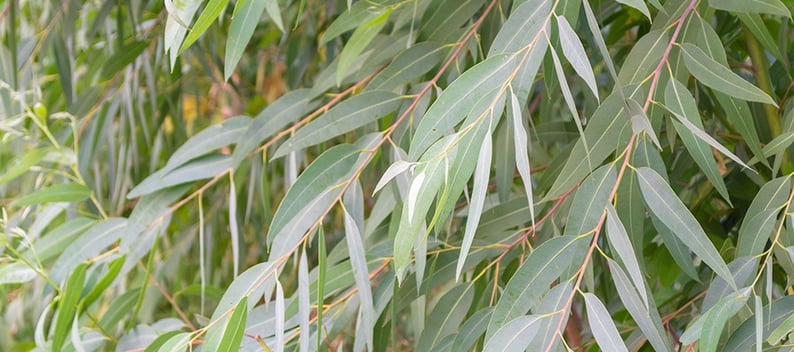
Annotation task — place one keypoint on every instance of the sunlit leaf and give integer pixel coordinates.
(67, 192)
(604, 330)
(661, 200)
(720, 78)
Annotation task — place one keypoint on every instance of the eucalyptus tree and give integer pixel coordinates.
(440, 175)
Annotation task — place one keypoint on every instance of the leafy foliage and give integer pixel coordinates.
(443, 175)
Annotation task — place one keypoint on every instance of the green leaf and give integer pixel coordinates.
(661, 200)
(275, 14)
(207, 16)
(441, 22)
(284, 111)
(22, 164)
(521, 145)
(720, 78)
(640, 122)
(522, 28)
(198, 169)
(360, 12)
(114, 268)
(212, 138)
(245, 17)
(603, 133)
(543, 266)
(16, 273)
(761, 216)
(428, 177)
(574, 52)
(180, 13)
(643, 57)
(90, 244)
(66, 192)
(744, 336)
(592, 23)
(471, 330)
(772, 7)
(348, 115)
(554, 302)
(782, 331)
(235, 327)
(590, 200)
(679, 100)
(446, 317)
(604, 330)
(314, 191)
(756, 25)
(709, 326)
(620, 244)
(637, 4)
(304, 302)
(124, 57)
(649, 323)
(459, 99)
(67, 305)
(358, 262)
(177, 343)
(361, 37)
(409, 65)
(515, 335)
(479, 190)
(161, 340)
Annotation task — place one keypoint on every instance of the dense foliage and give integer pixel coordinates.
(390, 175)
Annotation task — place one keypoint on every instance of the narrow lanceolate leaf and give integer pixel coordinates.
(643, 57)
(91, 243)
(245, 17)
(235, 327)
(176, 26)
(603, 133)
(678, 99)
(720, 78)
(446, 317)
(353, 113)
(661, 200)
(275, 13)
(592, 23)
(361, 37)
(479, 189)
(779, 144)
(568, 96)
(784, 329)
(429, 175)
(315, 190)
(410, 64)
(287, 109)
(590, 200)
(775, 314)
(21, 164)
(199, 169)
(602, 326)
(709, 326)
(210, 13)
(521, 147)
(620, 244)
(442, 22)
(212, 138)
(647, 322)
(543, 266)
(233, 230)
(522, 28)
(394, 170)
(67, 192)
(471, 330)
(304, 303)
(67, 306)
(458, 100)
(176, 343)
(574, 52)
(358, 261)
(772, 7)
(699, 133)
(280, 318)
(637, 4)
(515, 335)
(761, 216)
